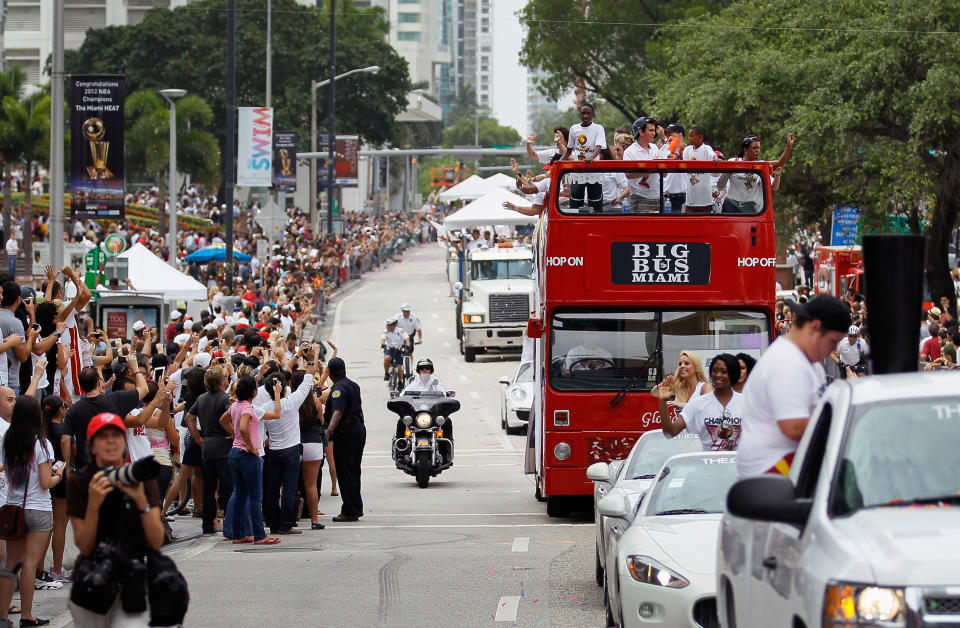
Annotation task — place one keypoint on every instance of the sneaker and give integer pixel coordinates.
(64, 575)
(45, 585)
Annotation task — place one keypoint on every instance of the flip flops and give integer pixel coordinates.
(269, 540)
(246, 539)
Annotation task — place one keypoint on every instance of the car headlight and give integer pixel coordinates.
(562, 451)
(473, 318)
(518, 394)
(648, 571)
(848, 604)
(424, 420)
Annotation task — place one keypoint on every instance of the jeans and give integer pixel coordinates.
(12, 264)
(244, 511)
(15, 389)
(282, 504)
(216, 472)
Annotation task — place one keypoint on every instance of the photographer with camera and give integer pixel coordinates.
(115, 512)
(27, 516)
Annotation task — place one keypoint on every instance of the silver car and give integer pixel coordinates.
(517, 399)
(629, 480)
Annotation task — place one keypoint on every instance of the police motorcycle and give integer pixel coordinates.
(421, 450)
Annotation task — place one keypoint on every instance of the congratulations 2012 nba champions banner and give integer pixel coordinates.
(255, 146)
(96, 146)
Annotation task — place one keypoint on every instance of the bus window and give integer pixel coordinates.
(501, 269)
(607, 350)
(646, 192)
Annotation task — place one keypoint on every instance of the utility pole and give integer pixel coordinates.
(332, 103)
(229, 173)
(55, 228)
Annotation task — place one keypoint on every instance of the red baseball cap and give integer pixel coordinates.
(102, 420)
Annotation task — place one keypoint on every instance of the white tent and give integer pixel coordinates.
(149, 273)
(488, 210)
(467, 190)
(502, 181)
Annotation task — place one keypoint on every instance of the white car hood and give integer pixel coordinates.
(916, 546)
(690, 541)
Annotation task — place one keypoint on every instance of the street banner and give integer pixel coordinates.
(96, 146)
(346, 165)
(845, 227)
(254, 146)
(285, 161)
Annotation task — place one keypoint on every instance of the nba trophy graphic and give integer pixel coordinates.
(94, 132)
(285, 170)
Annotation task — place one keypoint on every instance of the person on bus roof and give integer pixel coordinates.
(699, 191)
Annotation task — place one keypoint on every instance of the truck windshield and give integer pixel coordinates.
(607, 350)
(501, 269)
(693, 485)
(899, 454)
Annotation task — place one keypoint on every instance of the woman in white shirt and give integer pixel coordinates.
(28, 459)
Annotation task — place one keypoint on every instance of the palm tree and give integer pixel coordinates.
(25, 129)
(12, 81)
(147, 142)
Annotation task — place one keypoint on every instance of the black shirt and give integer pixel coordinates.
(344, 396)
(119, 517)
(208, 408)
(78, 416)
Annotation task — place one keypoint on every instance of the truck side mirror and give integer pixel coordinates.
(768, 498)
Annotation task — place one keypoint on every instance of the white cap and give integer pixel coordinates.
(174, 315)
(405, 307)
(265, 309)
(853, 330)
(210, 327)
(219, 322)
(202, 360)
(139, 325)
(187, 325)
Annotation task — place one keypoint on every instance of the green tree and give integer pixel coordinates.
(874, 103)
(25, 130)
(604, 47)
(12, 81)
(147, 142)
(486, 129)
(185, 48)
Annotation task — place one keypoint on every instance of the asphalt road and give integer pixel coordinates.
(473, 549)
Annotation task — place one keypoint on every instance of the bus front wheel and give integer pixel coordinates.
(558, 506)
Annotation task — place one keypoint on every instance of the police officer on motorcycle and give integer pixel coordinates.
(425, 381)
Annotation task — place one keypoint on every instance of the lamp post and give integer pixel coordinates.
(169, 95)
(373, 69)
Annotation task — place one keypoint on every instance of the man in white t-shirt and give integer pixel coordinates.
(585, 143)
(644, 188)
(699, 190)
(12, 249)
(785, 385)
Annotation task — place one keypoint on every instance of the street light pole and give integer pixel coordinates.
(331, 105)
(169, 95)
(314, 85)
(56, 141)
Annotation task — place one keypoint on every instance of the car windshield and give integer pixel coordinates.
(693, 485)
(654, 449)
(701, 191)
(501, 269)
(899, 452)
(609, 350)
(525, 374)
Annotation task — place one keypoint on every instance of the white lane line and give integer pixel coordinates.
(488, 450)
(434, 314)
(459, 466)
(446, 344)
(521, 544)
(414, 526)
(460, 454)
(498, 431)
(464, 378)
(475, 395)
(440, 330)
(507, 608)
(336, 315)
(455, 514)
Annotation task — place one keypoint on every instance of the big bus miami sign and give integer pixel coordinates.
(684, 262)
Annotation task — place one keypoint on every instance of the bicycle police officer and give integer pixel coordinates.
(392, 342)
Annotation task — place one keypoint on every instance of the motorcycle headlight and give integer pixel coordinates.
(424, 420)
(518, 394)
(848, 604)
(648, 571)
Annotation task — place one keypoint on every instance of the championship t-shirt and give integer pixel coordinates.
(783, 385)
(699, 190)
(717, 426)
(745, 187)
(584, 139)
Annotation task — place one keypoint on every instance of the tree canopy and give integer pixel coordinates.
(186, 48)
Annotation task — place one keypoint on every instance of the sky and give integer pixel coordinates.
(509, 79)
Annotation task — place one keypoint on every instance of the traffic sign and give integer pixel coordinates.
(115, 244)
(846, 222)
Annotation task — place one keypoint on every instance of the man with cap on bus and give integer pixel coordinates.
(343, 414)
(408, 322)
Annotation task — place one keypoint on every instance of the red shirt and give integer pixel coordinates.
(932, 347)
(171, 331)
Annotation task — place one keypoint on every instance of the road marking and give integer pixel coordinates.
(459, 466)
(521, 544)
(457, 514)
(415, 526)
(434, 314)
(507, 608)
(440, 330)
(475, 395)
(446, 344)
(336, 315)
(464, 377)
(498, 431)
(459, 451)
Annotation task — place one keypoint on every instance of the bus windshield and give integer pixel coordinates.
(608, 350)
(501, 269)
(645, 192)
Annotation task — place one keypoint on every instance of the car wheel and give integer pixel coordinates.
(469, 355)
(606, 605)
(597, 567)
(537, 493)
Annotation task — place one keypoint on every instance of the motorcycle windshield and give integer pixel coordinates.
(435, 404)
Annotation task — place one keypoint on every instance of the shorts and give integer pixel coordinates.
(59, 490)
(38, 520)
(312, 452)
(396, 354)
(192, 454)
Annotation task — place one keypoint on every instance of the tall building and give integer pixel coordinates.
(474, 54)
(537, 101)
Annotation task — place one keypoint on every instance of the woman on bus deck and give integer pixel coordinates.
(746, 194)
(747, 362)
(689, 380)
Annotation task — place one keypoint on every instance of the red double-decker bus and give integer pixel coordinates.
(625, 285)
